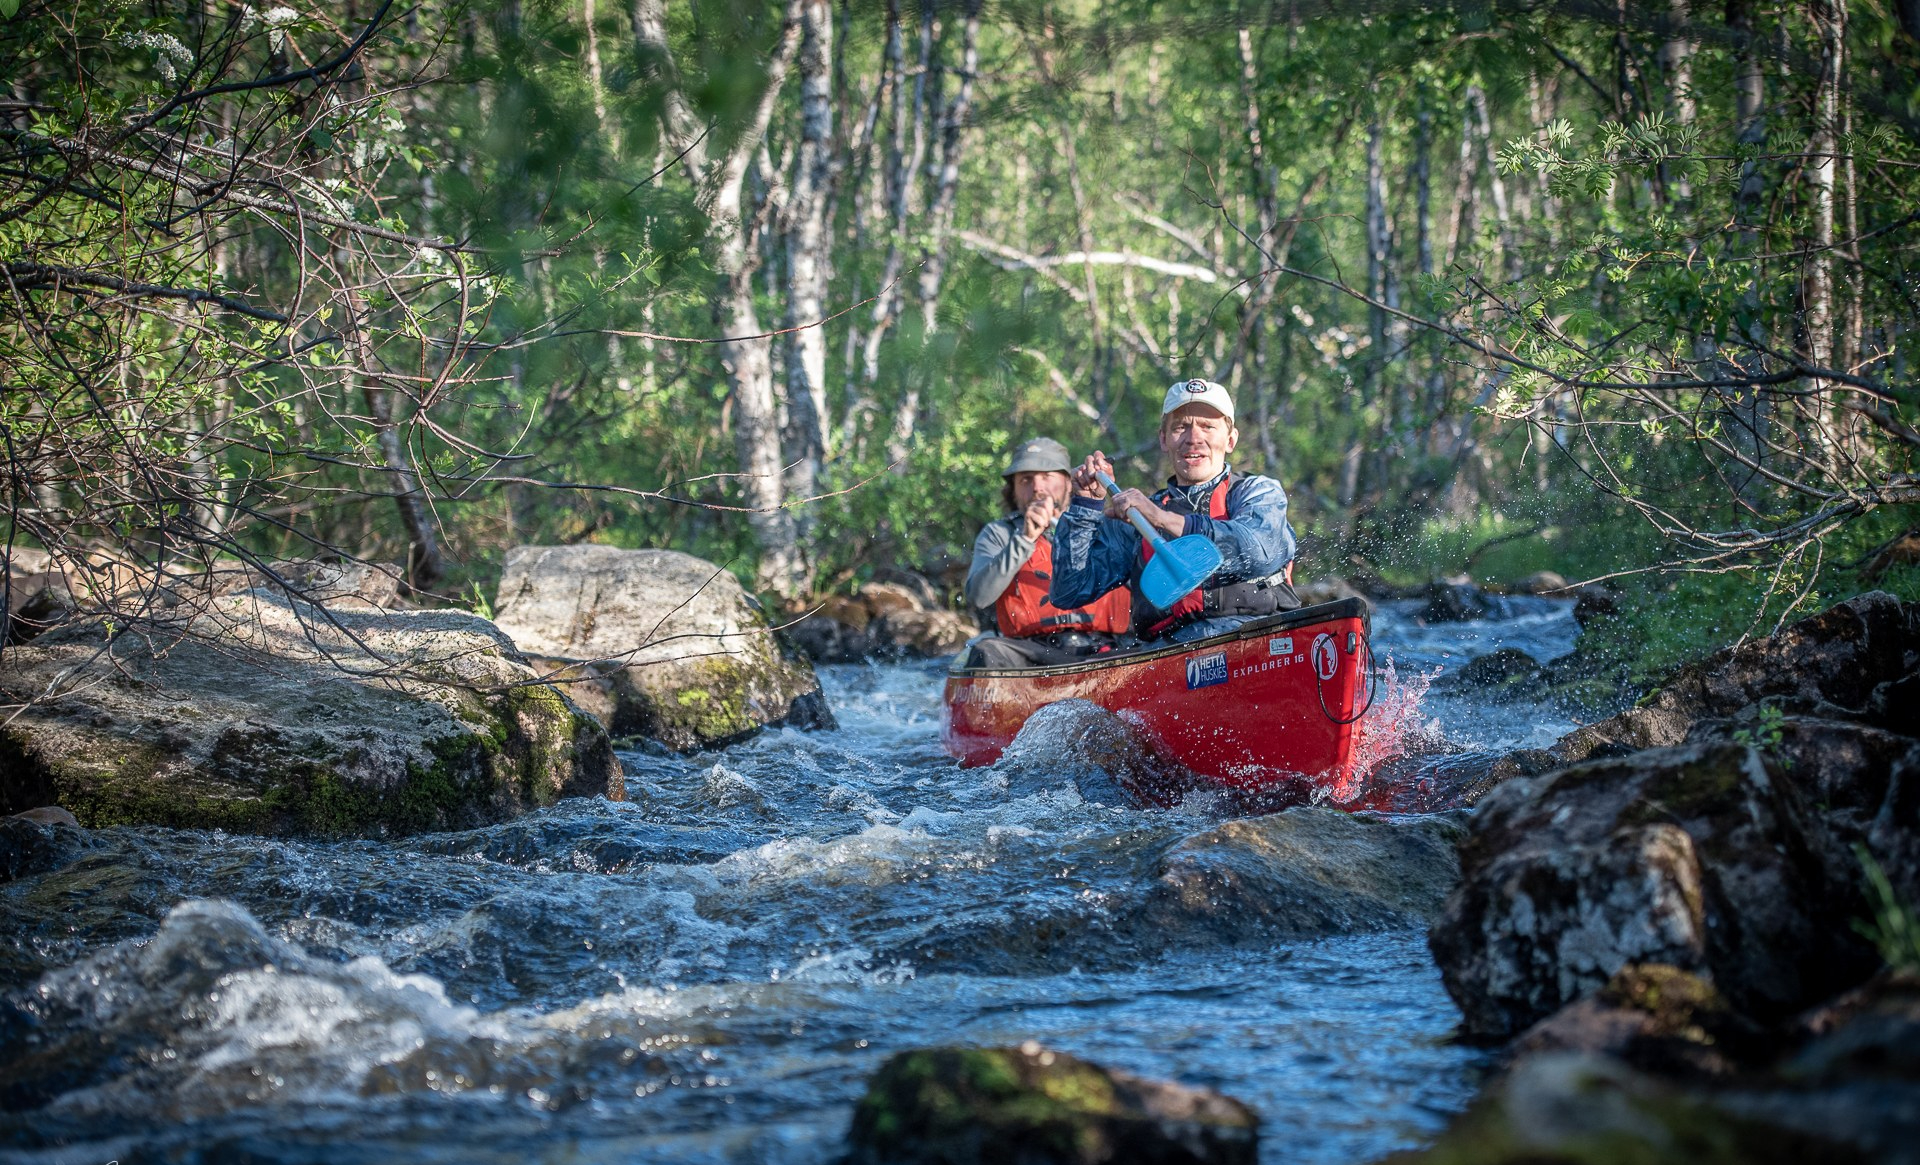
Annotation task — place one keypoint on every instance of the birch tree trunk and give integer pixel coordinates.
(1749, 408)
(809, 248)
(946, 176)
(896, 179)
(732, 246)
(1816, 320)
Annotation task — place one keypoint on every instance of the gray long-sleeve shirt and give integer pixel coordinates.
(998, 554)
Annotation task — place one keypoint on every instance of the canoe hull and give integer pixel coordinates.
(1273, 706)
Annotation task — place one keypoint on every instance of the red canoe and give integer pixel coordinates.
(1270, 710)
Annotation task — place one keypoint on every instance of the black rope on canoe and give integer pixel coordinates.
(1373, 684)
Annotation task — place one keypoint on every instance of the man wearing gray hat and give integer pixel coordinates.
(1012, 572)
(1244, 515)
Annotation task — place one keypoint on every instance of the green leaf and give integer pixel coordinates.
(9, 8)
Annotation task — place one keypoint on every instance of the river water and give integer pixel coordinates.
(710, 971)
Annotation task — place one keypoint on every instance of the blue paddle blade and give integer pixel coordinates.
(1177, 567)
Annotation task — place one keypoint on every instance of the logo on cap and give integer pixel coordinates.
(1196, 386)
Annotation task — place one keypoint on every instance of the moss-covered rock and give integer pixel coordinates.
(265, 714)
(1031, 1106)
(1570, 1109)
(664, 645)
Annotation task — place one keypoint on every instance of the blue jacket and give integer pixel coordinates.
(1093, 554)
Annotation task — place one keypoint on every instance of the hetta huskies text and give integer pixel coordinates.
(1204, 671)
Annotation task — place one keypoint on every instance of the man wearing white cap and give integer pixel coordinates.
(1012, 571)
(1245, 515)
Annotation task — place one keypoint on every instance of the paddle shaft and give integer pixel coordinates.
(1138, 519)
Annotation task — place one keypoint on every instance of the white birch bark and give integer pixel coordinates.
(733, 250)
(809, 253)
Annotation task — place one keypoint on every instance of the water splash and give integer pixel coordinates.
(1393, 728)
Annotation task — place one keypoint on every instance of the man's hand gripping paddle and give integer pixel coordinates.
(1177, 566)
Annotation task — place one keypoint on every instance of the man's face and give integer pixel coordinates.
(1197, 439)
(1047, 483)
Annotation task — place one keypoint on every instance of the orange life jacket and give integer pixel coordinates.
(1253, 597)
(1022, 610)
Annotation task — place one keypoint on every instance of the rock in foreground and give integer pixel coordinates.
(268, 715)
(1030, 1106)
(1701, 858)
(661, 644)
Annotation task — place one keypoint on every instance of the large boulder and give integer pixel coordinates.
(1307, 870)
(1861, 784)
(662, 645)
(1031, 1106)
(1702, 858)
(263, 714)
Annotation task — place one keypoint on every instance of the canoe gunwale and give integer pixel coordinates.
(1351, 608)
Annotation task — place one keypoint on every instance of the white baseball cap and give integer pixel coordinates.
(1198, 392)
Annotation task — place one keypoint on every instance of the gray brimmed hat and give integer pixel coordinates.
(1040, 455)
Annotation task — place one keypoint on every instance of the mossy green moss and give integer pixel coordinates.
(260, 780)
(991, 1094)
(707, 703)
(986, 1104)
(548, 727)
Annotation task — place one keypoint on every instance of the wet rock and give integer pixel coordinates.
(49, 815)
(37, 841)
(1110, 760)
(1543, 582)
(1508, 673)
(1308, 870)
(589, 846)
(1672, 1076)
(1699, 857)
(264, 714)
(1031, 1106)
(667, 646)
(1595, 601)
(1458, 601)
(38, 595)
(1436, 781)
(886, 620)
(1656, 1018)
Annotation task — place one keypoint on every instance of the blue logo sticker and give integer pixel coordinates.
(1204, 671)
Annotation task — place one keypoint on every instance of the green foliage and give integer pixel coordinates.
(1767, 733)
(1894, 928)
(1618, 263)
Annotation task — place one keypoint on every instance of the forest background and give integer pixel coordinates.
(1589, 287)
